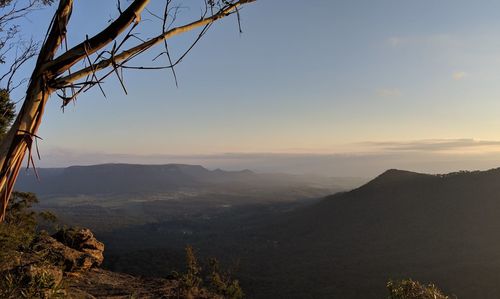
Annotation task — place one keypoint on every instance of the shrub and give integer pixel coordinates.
(222, 283)
(18, 229)
(20, 285)
(217, 281)
(17, 232)
(190, 281)
(410, 289)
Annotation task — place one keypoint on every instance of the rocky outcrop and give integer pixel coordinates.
(69, 259)
(83, 241)
(72, 250)
(66, 265)
(42, 269)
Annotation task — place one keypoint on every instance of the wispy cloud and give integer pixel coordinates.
(388, 92)
(432, 156)
(436, 145)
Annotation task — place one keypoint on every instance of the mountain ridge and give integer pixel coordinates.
(125, 178)
(443, 229)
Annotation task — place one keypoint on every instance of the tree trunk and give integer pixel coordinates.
(22, 133)
(20, 139)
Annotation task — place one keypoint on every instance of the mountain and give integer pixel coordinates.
(108, 196)
(443, 229)
(124, 178)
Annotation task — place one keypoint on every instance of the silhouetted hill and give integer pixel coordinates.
(124, 178)
(439, 228)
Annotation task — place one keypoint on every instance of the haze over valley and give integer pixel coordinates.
(108, 195)
(313, 235)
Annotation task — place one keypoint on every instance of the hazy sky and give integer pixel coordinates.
(321, 77)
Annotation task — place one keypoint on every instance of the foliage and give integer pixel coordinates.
(191, 279)
(222, 283)
(41, 285)
(16, 235)
(19, 227)
(7, 111)
(19, 210)
(47, 216)
(218, 281)
(410, 289)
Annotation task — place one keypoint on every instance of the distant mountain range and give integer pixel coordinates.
(443, 229)
(105, 179)
(124, 178)
(434, 228)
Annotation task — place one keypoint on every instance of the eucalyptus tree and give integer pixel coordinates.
(69, 71)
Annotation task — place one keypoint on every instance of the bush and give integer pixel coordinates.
(19, 277)
(410, 289)
(21, 285)
(222, 283)
(191, 280)
(18, 229)
(217, 281)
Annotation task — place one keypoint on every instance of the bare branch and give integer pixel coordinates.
(64, 81)
(27, 52)
(14, 50)
(97, 42)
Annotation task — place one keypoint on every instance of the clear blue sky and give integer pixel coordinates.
(319, 76)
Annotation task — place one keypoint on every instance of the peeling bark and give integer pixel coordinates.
(20, 136)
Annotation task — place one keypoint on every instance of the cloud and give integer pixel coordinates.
(388, 92)
(369, 160)
(420, 156)
(459, 75)
(436, 145)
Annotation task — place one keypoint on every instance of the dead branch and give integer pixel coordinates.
(97, 42)
(63, 81)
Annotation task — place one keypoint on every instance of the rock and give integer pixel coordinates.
(82, 239)
(65, 265)
(71, 260)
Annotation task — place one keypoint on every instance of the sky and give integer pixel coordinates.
(320, 86)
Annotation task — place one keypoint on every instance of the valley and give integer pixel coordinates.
(291, 239)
